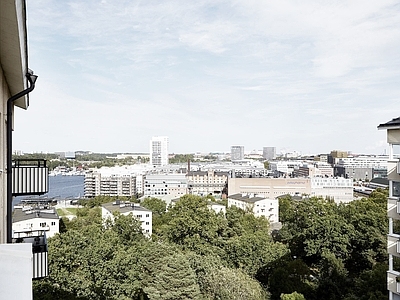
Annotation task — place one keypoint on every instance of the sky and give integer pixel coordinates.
(307, 76)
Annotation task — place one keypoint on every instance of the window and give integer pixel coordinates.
(53, 223)
(396, 189)
(147, 215)
(147, 223)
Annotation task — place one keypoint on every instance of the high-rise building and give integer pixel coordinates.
(269, 153)
(393, 207)
(237, 153)
(159, 151)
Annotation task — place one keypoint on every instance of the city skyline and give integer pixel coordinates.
(303, 76)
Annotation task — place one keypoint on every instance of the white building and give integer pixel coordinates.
(362, 161)
(159, 151)
(260, 206)
(165, 186)
(218, 208)
(205, 183)
(28, 219)
(128, 208)
(97, 184)
(284, 166)
(269, 153)
(393, 207)
(237, 153)
(116, 181)
(338, 189)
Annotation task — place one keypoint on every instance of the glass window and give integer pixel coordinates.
(396, 189)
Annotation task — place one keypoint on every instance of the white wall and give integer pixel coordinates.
(16, 271)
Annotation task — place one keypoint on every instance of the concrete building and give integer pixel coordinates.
(128, 208)
(159, 151)
(269, 153)
(284, 166)
(260, 206)
(393, 167)
(109, 184)
(361, 167)
(205, 183)
(165, 186)
(338, 189)
(237, 153)
(30, 219)
(313, 170)
(13, 80)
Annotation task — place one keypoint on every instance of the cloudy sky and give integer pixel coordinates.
(310, 76)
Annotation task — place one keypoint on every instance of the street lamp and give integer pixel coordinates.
(10, 103)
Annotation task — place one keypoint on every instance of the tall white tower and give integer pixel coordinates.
(159, 151)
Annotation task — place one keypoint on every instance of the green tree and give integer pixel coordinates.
(314, 226)
(217, 281)
(157, 206)
(289, 275)
(292, 296)
(194, 226)
(166, 274)
(368, 216)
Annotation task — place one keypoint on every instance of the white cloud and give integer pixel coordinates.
(211, 73)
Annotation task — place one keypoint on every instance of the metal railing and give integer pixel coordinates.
(30, 177)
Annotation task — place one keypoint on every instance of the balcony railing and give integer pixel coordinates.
(30, 177)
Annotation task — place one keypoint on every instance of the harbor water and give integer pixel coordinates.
(61, 187)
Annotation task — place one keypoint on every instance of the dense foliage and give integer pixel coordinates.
(323, 251)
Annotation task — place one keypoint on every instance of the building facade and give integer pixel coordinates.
(165, 186)
(28, 220)
(13, 68)
(269, 153)
(109, 184)
(204, 183)
(237, 153)
(125, 208)
(159, 151)
(393, 206)
(260, 206)
(338, 189)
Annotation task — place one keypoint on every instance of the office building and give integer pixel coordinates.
(205, 183)
(237, 153)
(269, 153)
(338, 189)
(159, 151)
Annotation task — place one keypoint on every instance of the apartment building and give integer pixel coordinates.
(260, 206)
(109, 184)
(125, 208)
(30, 219)
(209, 182)
(159, 151)
(393, 168)
(237, 153)
(269, 153)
